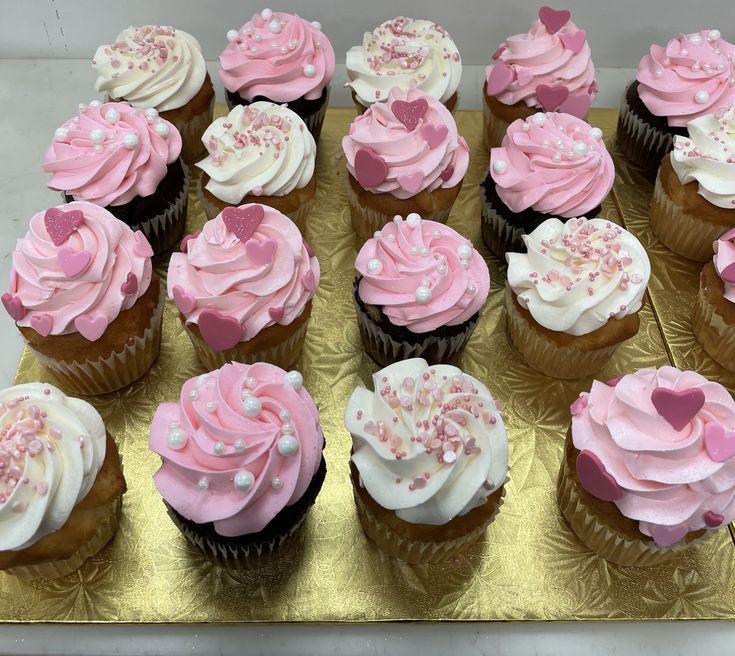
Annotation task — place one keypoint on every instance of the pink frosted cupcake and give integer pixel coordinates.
(548, 69)
(243, 286)
(690, 77)
(403, 155)
(127, 161)
(83, 294)
(242, 461)
(281, 58)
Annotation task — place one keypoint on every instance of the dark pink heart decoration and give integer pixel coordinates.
(577, 105)
(261, 253)
(13, 306)
(728, 273)
(309, 281)
(713, 519)
(409, 113)
(614, 381)
(130, 286)
(91, 326)
(142, 247)
(434, 135)
(60, 224)
(42, 324)
(370, 169)
(243, 221)
(677, 408)
(219, 331)
(447, 173)
(184, 301)
(500, 78)
(553, 19)
(551, 98)
(498, 52)
(188, 238)
(719, 443)
(665, 536)
(276, 314)
(411, 181)
(574, 41)
(595, 478)
(73, 262)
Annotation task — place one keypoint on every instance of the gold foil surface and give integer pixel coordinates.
(529, 566)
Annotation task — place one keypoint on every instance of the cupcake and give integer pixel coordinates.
(262, 153)
(574, 297)
(280, 58)
(689, 78)
(424, 489)
(243, 286)
(68, 506)
(242, 461)
(548, 69)
(419, 290)
(162, 68)
(648, 466)
(127, 161)
(553, 165)
(84, 297)
(694, 198)
(404, 155)
(408, 54)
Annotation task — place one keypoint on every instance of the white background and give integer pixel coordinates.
(52, 41)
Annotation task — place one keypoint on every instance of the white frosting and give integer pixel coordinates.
(707, 155)
(578, 275)
(64, 444)
(263, 149)
(135, 68)
(384, 426)
(404, 53)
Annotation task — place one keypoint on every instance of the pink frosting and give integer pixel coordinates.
(542, 58)
(724, 260)
(424, 155)
(670, 481)
(224, 466)
(259, 281)
(52, 300)
(279, 56)
(111, 153)
(413, 257)
(691, 77)
(554, 163)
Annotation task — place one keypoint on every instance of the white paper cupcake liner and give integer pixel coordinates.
(499, 235)
(191, 131)
(716, 337)
(493, 127)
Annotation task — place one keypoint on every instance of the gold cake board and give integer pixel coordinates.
(529, 566)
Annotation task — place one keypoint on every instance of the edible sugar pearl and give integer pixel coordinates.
(288, 445)
(696, 39)
(374, 266)
(580, 148)
(284, 414)
(413, 220)
(294, 379)
(701, 97)
(162, 129)
(239, 445)
(97, 135)
(251, 406)
(176, 439)
(277, 483)
(423, 294)
(317, 24)
(203, 484)
(219, 448)
(244, 480)
(232, 35)
(61, 133)
(464, 251)
(500, 166)
(275, 26)
(112, 115)
(595, 133)
(266, 14)
(713, 35)
(130, 140)
(309, 70)
(539, 118)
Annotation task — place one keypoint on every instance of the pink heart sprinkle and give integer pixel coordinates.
(579, 404)
(91, 326)
(499, 79)
(142, 247)
(73, 262)
(434, 135)
(276, 314)
(219, 331)
(309, 281)
(614, 381)
(551, 98)
(243, 221)
(719, 443)
(523, 77)
(261, 253)
(409, 113)
(677, 408)
(713, 519)
(447, 173)
(13, 306)
(60, 224)
(188, 238)
(577, 105)
(574, 41)
(665, 536)
(370, 169)
(553, 19)
(728, 273)
(499, 52)
(595, 478)
(42, 324)
(130, 286)
(184, 301)
(411, 181)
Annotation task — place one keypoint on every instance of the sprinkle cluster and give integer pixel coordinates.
(151, 48)
(722, 135)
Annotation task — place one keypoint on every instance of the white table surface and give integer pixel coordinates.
(36, 96)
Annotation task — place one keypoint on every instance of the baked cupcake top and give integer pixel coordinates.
(659, 444)
(262, 149)
(707, 155)
(428, 470)
(548, 67)
(51, 449)
(579, 274)
(691, 76)
(406, 145)
(279, 57)
(422, 274)
(151, 66)
(405, 53)
(724, 260)
(247, 269)
(553, 163)
(242, 443)
(75, 270)
(110, 153)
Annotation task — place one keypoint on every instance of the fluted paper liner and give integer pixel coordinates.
(499, 235)
(315, 121)
(493, 128)
(716, 337)
(164, 230)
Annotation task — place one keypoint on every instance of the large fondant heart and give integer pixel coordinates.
(434, 135)
(130, 286)
(42, 324)
(219, 331)
(261, 253)
(60, 224)
(595, 478)
(91, 326)
(411, 181)
(13, 306)
(665, 536)
(677, 408)
(500, 78)
(243, 221)
(409, 113)
(142, 247)
(574, 41)
(577, 105)
(553, 19)
(184, 301)
(73, 262)
(370, 169)
(728, 273)
(719, 443)
(551, 98)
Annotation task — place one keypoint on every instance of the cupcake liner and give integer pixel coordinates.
(551, 359)
(191, 130)
(499, 236)
(683, 233)
(716, 337)
(315, 121)
(299, 216)
(164, 230)
(112, 372)
(493, 128)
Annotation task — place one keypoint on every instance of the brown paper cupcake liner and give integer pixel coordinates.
(114, 371)
(499, 235)
(716, 337)
(191, 131)
(315, 121)
(493, 128)
(681, 232)
(164, 230)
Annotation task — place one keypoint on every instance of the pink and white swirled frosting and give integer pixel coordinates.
(242, 443)
(422, 274)
(660, 444)
(724, 260)
(249, 265)
(692, 76)
(412, 140)
(110, 153)
(553, 163)
(277, 56)
(75, 270)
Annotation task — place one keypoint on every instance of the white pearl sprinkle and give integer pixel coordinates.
(557, 157)
(413, 220)
(248, 29)
(245, 394)
(464, 251)
(580, 147)
(449, 457)
(424, 251)
(294, 379)
(284, 414)
(423, 294)
(98, 148)
(244, 480)
(713, 35)
(465, 264)
(659, 72)
(276, 482)
(81, 107)
(61, 133)
(560, 145)
(284, 50)
(251, 382)
(219, 448)
(203, 484)
(539, 118)
(252, 406)
(317, 24)
(130, 140)
(239, 445)
(471, 289)
(397, 219)
(211, 406)
(151, 114)
(288, 445)
(442, 269)
(701, 97)
(275, 26)
(232, 35)
(162, 129)
(309, 70)
(193, 394)
(254, 50)
(97, 135)
(436, 234)
(684, 52)
(500, 166)
(390, 238)
(595, 133)
(112, 115)
(257, 37)
(526, 127)
(374, 266)
(266, 14)
(95, 103)
(176, 439)
(287, 428)
(696, 39)
(377, 234)
(201, 380)
(695, 66)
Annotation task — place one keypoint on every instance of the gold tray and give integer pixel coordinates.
(529, 566)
